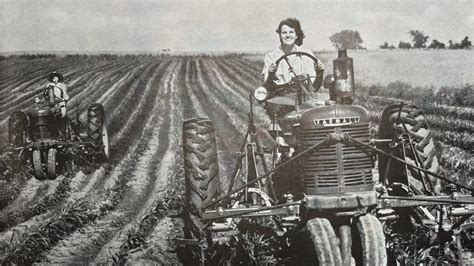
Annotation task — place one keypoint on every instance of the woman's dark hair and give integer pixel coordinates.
(295, 24)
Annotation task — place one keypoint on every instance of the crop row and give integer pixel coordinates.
(458, 164)
(451, 96)
(451, 112)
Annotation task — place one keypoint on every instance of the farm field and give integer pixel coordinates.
(128, 210)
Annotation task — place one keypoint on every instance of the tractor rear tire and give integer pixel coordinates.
(97, 130)
(408, 120)
(325, 241)
(17, 124)
(52, 163)
(201, 174)
(38, 165)
(370, 235)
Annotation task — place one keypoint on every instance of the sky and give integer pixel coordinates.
(219, 26)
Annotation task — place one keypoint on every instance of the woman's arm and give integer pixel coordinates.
(63, 87)
(269, 69)
(319, 68)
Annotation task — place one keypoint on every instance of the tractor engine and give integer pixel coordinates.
(42, 124)
(43, 120)
(337, 168)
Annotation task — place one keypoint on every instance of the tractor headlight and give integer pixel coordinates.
(328, 81)
(260, 94)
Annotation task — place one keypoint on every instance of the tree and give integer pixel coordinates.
(465, 43)
(386, 46)
(347, 39)
(404, 45)
(452, 45)
(435, 44)
(419, 39)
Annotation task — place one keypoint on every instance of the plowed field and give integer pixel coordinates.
(127, 210)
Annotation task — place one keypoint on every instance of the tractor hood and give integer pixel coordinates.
(333, 115)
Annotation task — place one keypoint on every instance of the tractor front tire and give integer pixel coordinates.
(201, 175)
(38, 165)
(325, 241)
(409, 120)
(97, 130)
(370, 235)
(52, 163)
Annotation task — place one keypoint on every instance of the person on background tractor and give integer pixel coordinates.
(59, 89)
(291, 38)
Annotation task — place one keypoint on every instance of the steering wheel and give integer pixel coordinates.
(46, 95)
(304, 81)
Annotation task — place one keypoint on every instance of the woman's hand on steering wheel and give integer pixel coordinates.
(318, 66)
(272, 68)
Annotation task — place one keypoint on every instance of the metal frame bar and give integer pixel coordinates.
(402, 201)
(349, 138)
(243, 212)
(229, 194)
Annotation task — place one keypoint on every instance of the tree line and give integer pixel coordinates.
(350, 39)
(420, 40)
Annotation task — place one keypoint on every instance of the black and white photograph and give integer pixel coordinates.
(219, 132)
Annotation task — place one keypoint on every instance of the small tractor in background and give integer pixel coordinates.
(319, 200)
(46, 141)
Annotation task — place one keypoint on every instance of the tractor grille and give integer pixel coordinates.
(324, 172)
(42, 126)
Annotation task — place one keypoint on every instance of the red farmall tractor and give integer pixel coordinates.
(316, 198)
(46, 141)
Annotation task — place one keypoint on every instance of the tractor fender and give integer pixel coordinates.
(24, 115)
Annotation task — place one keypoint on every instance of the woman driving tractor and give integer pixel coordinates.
(291, 38)
(285, 64)
(59, 91)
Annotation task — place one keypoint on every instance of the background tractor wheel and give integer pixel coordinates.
(38, 165)
(325, 241)
(200, 172)
(52, 163)
(17, 124)
(408, 120)
(97, 129)
(369, 242)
